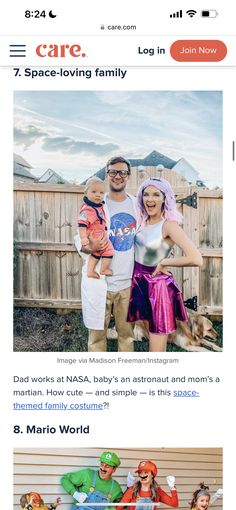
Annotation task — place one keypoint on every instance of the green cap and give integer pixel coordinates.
(110, 458)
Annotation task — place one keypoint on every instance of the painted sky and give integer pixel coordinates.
(76, 132)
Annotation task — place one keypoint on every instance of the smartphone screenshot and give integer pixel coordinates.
(118, 151)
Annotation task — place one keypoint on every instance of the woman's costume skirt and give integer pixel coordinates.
(157, 300)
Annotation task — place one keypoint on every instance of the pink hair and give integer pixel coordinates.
(170, 211)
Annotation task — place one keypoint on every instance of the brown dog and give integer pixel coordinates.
(190, 336)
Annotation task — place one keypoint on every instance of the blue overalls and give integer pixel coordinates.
(95, 496)
(139, 502)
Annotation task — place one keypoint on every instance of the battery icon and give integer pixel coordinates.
(209, 14)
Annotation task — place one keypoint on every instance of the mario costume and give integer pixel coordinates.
(33, 501)
(92, 217)
(137, 494)
(87, 486)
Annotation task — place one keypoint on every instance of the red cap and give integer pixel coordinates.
(36, 498)
(147, 465)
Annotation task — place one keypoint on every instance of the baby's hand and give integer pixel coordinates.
(55, 504)
(84, 241)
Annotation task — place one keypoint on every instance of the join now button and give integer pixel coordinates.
(198, 51)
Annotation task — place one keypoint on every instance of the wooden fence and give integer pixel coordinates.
(48, 267)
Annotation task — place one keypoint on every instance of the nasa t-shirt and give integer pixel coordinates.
(122, 233)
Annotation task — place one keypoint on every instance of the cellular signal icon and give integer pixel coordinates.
(191, 13)
(178, 14)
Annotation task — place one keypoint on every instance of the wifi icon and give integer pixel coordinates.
(191, 13)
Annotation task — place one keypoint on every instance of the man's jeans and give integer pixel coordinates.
(97, 338)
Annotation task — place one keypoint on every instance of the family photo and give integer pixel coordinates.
(97, 478)
(118, 221)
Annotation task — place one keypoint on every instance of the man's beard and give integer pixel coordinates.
(115, 190)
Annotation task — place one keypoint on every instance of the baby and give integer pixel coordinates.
(33, 501)
(92, 221)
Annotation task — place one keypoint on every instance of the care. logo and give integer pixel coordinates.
(59, 50)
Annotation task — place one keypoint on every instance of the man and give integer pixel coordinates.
(121, 216)
(94, 486)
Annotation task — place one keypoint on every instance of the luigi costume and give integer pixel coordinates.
(87, 486)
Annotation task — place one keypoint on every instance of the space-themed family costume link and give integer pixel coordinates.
(99, 296)
(94, 486)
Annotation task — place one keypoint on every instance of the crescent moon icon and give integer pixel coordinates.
(51, 15)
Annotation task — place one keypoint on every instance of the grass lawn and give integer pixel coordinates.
(43, 330)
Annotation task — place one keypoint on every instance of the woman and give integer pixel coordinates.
(146, 490)
(155, 297)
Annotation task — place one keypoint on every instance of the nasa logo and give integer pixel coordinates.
(122, 231)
